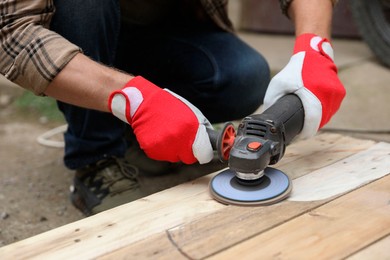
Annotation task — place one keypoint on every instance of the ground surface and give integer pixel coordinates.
(33, 181)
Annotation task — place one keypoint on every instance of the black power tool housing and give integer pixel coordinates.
(260, 141)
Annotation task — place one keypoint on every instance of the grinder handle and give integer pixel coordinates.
(289, 111)
(213, 135)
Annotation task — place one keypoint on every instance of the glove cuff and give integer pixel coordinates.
(123, 103)
(313, 42)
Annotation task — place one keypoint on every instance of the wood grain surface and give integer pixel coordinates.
(184, 222)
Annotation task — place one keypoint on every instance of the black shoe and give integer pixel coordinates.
(106, 184)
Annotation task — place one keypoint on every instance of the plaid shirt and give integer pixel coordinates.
(31, 55)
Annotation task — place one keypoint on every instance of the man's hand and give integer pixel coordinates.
(167, 126)
(312, 75)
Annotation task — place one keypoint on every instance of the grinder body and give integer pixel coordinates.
(260, 141)
(262, 138)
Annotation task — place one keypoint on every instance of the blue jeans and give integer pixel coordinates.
(216, 71)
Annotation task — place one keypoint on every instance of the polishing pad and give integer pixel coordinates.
(271, 188)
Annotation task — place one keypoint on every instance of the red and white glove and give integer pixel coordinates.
(167, 127)
(312, 75)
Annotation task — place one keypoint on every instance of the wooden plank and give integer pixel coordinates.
(120, 226)
(322, 150)
(377, 250)
(332, 231)
(354, 171)
(156, 247)
(153, 215)
(222, 229)
(219, 230)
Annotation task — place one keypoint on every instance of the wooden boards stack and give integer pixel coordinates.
(340, 207)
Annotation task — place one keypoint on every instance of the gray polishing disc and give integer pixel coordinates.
(275, 186)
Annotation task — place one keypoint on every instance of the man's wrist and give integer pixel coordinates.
(285, 4)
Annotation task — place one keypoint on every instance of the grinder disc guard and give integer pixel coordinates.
(274, 186)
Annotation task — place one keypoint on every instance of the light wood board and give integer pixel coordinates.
(185, 222)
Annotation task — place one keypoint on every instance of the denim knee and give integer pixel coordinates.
(241, 89)
(92, 25)
(249, 79)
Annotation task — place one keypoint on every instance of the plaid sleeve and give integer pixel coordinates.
(217, 10)
(30, 54)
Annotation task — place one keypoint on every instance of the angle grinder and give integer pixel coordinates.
(260, 140)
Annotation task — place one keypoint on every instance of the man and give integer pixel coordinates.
(82, 53)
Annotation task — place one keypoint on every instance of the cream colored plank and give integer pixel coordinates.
(320, 151)
(156, 247)
(129, 223)
(230, 225)
(206, 227)
(210, 234)
(344, 175)
(378, 250)
(118, 227)
(220, 230)
(332, 231)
